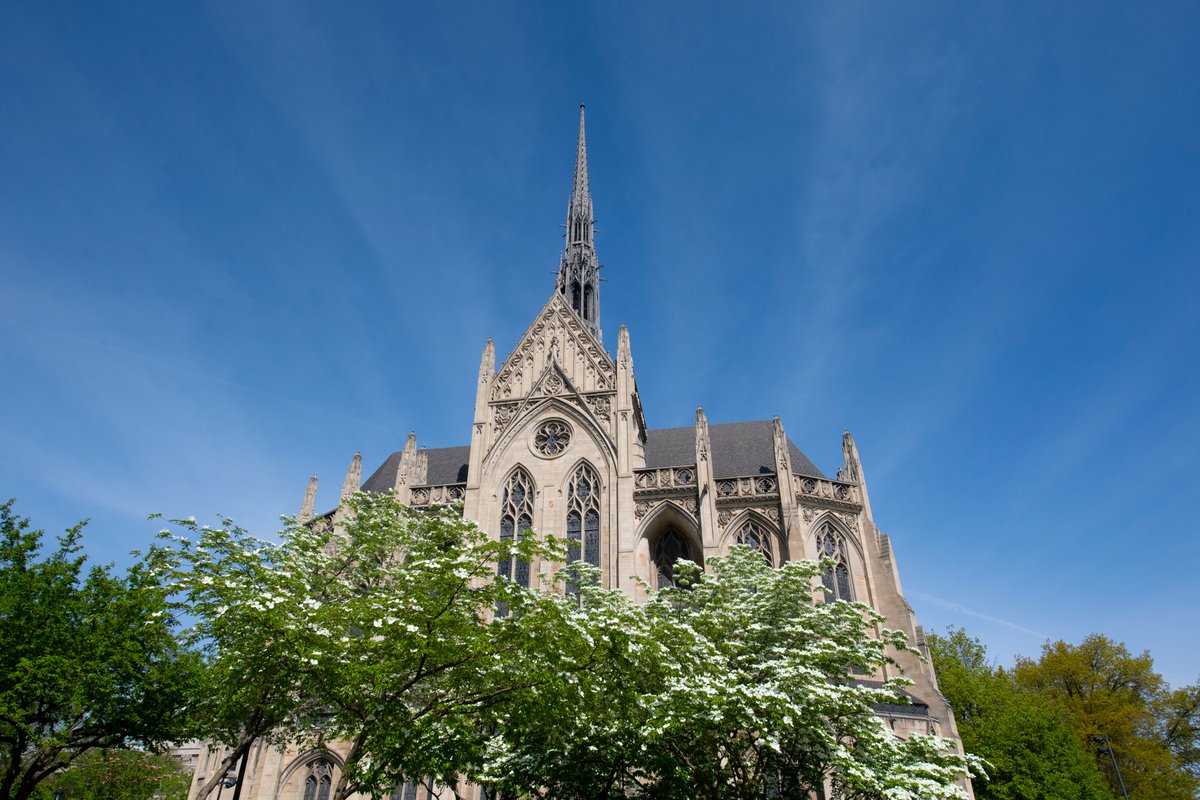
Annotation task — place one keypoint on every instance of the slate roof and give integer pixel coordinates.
(739, 448)
(913, 708)
(446, 465)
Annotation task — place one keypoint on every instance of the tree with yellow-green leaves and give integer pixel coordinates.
(1114, 699)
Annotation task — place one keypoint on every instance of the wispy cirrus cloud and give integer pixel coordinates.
(970, 612)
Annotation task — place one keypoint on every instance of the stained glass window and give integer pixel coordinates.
(831, 546)
(319, 781)
(755, 534)
(516, 519)
(583, 516)
(670, 547)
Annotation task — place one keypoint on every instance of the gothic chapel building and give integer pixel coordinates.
(559, 443)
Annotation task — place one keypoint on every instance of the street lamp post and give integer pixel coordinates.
(1103, 739)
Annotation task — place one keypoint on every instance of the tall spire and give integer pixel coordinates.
(579, 271)
(580, 192)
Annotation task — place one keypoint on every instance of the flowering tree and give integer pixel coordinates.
(253, 605)
(734, 685)
(409, 653)
(373, 631)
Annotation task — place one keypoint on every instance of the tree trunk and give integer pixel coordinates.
(242, 748)
(343, 790)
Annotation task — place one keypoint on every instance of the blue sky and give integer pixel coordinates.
(241, 241)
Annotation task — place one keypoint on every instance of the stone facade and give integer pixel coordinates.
(559, 443)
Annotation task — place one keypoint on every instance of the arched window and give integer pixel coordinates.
(583, 516)
(319, 780)
(414, 790)
(589, 311)
(669, 547)
(575, 297)
(516, 518)
(831, 545)
(755, 534)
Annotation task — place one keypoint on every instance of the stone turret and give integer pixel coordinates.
(353, 476)
(310, 501)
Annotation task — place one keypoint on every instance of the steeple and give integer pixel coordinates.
(579, 271)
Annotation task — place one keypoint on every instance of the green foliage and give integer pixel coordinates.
(374, 631)
(731, 686)
(1031, 750)
(1106, 691)
(89, 657)
(120, 775)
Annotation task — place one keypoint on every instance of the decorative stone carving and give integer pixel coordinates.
(552, 438)
(747, 487)
(600, 405)
(558, 336)
(688, 504)
(505, 414)
(665, 478)
(553, 384)
(723, 517)
(810, 513)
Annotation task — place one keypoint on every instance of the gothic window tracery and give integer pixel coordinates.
(670, 546)
(516, 518)
(831, 546)
(552, 437)
(319, 780)
(414, 790)
(755, 534)
(583, 516)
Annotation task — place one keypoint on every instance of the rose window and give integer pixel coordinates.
(552, 438)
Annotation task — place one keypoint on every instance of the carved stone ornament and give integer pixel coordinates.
(552, 438)
(723, 517)
(505, 414)
(600, 405)
(553, 384)
(642, 508)
(810, 513)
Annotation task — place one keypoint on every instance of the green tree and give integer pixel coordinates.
(121, 775)
(252, 604)
(734, 685)
(1179, 715)
(1032, 752)
(1106, 691)
(580, 734)
(89, 658)
(374, 631)
(410, 652)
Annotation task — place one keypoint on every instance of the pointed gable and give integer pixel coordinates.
(557, 335)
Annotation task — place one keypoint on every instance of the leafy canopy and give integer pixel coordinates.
(89, 657)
